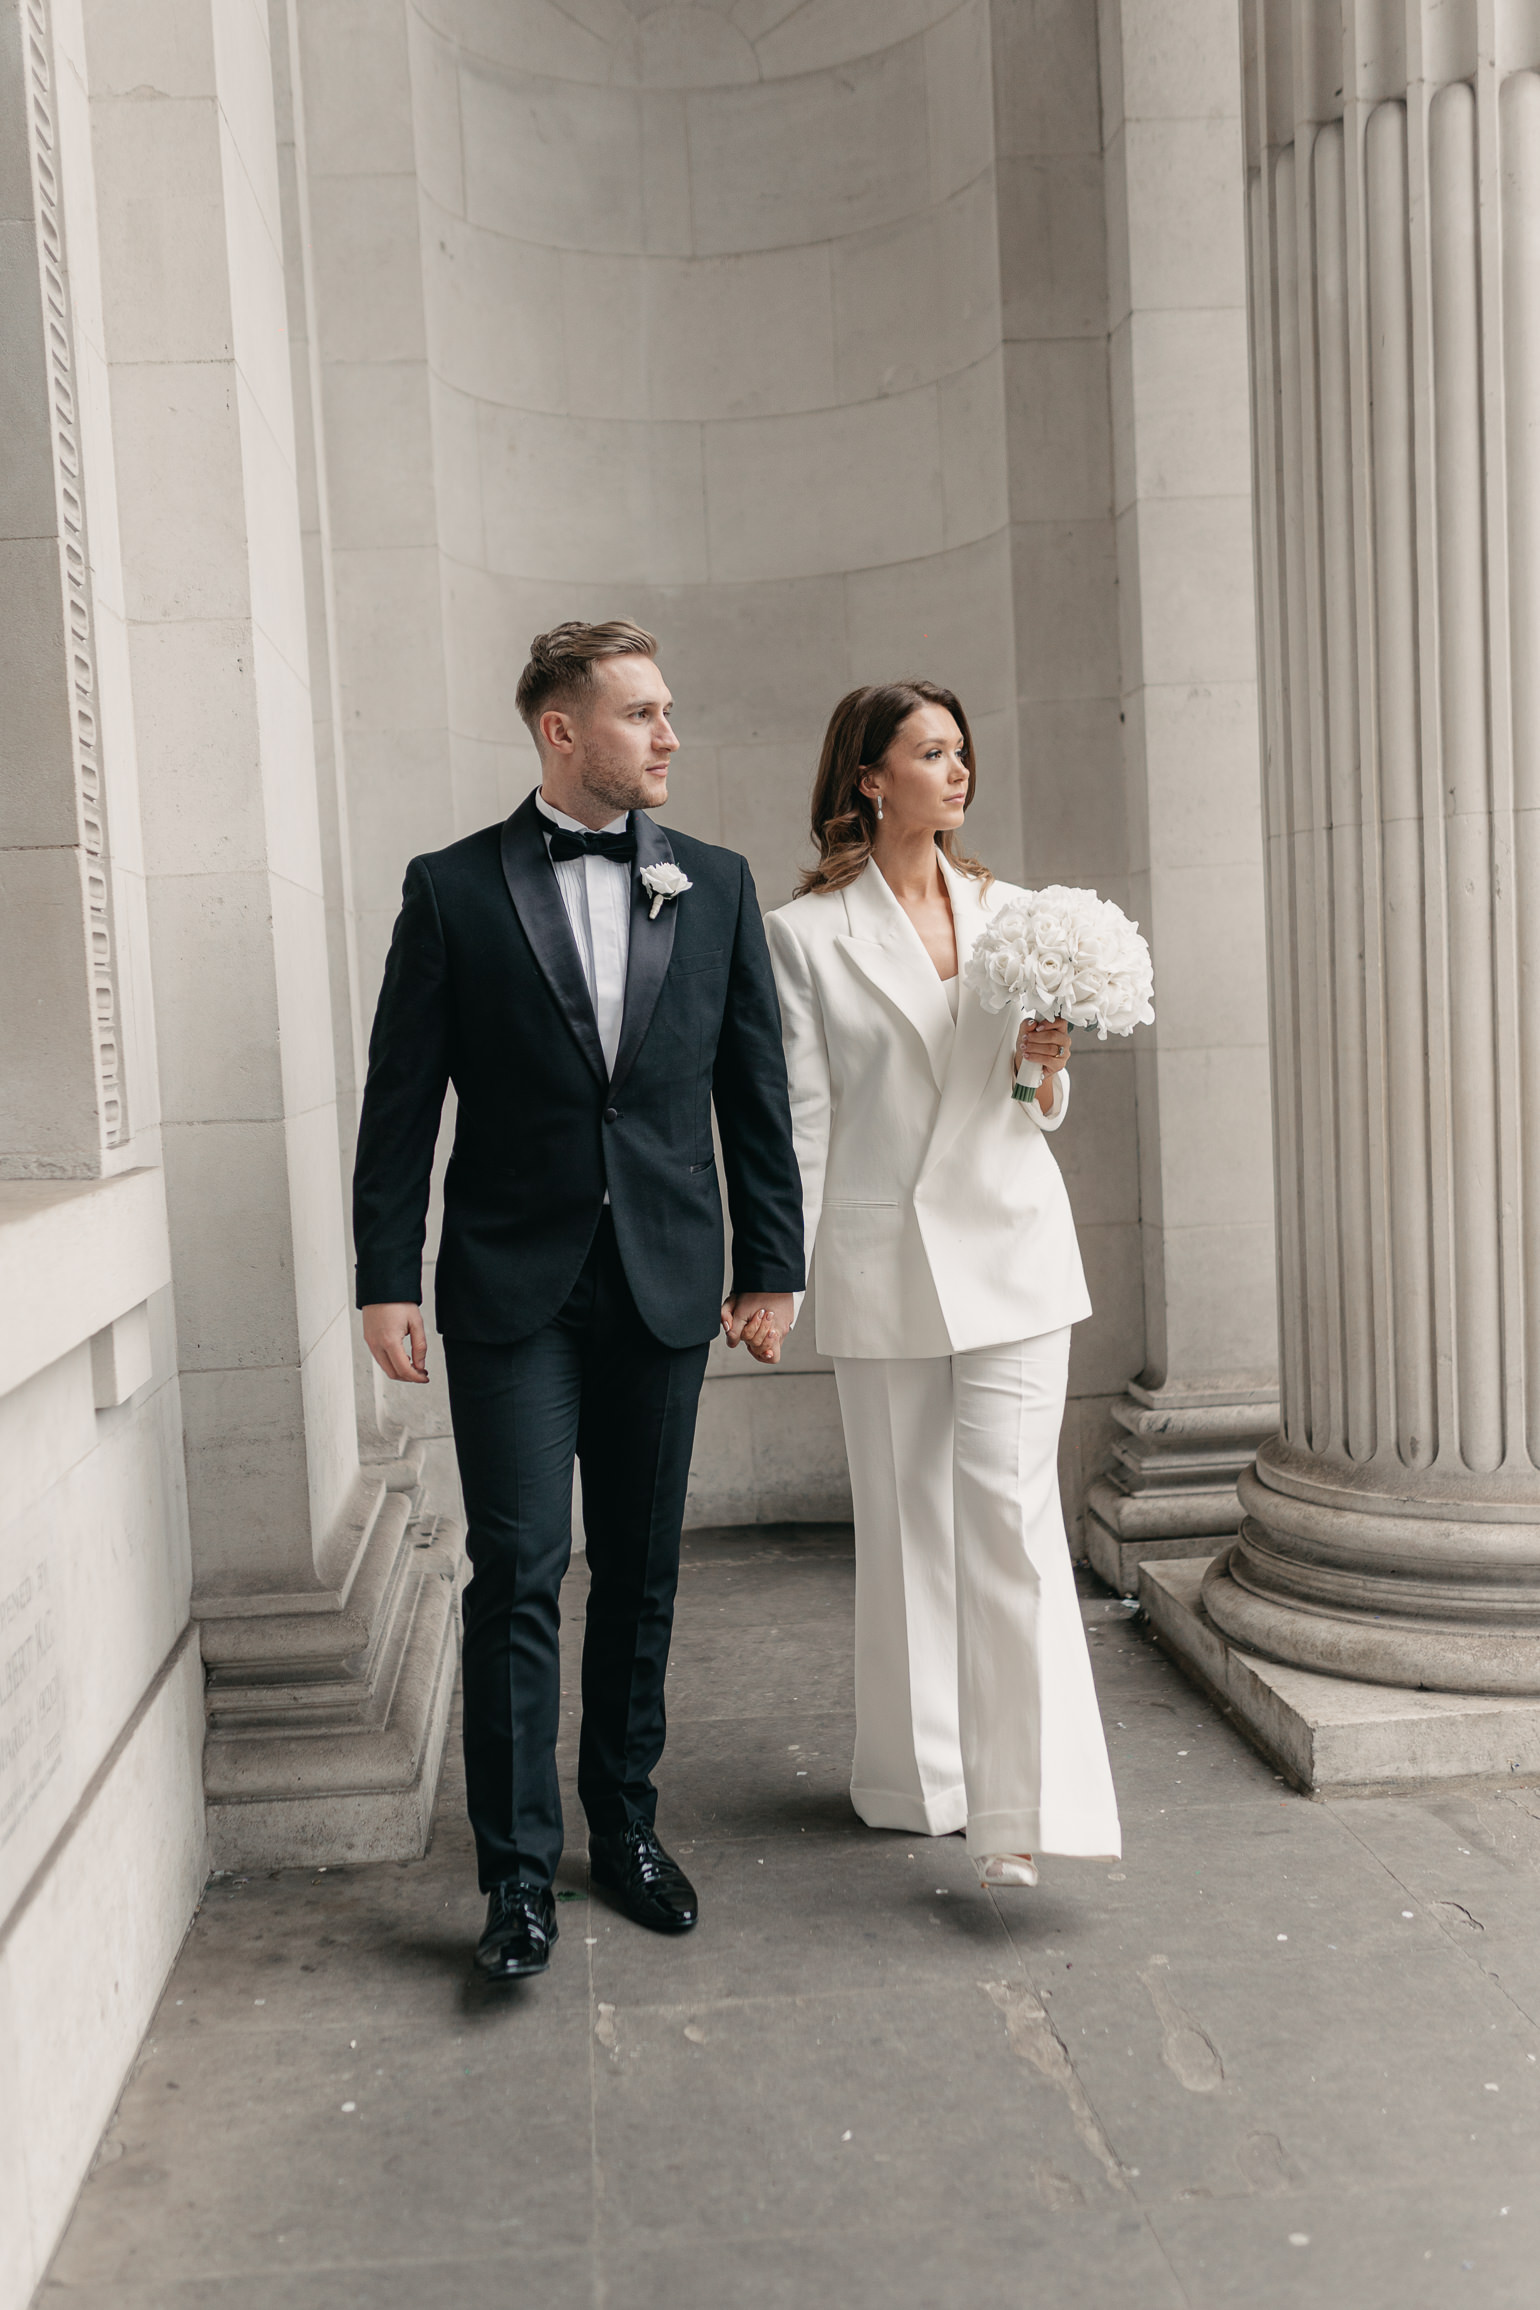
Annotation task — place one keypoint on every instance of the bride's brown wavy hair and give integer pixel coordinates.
(861, 729)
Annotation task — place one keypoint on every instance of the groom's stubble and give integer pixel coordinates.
(615, 785)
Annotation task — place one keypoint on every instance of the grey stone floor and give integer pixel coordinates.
(1284, 2054)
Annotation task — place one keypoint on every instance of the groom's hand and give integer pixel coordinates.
(761, 1320)
(394, 1336)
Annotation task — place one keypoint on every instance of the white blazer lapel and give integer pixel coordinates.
(884, 946)
(980, 1035)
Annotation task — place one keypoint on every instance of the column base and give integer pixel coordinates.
(327, 1714)
(1330, 1735)
(1170, 1483)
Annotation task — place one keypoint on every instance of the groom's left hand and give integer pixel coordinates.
(761, 1320)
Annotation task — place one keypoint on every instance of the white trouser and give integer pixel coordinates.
(975, 1706)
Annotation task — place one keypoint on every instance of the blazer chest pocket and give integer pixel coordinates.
(704, 959)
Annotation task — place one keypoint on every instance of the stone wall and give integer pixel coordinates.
(102, 1847)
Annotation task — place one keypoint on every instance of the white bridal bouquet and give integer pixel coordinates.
(1063, 954)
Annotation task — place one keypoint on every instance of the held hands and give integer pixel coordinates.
(394, 1336)
(761, 1320)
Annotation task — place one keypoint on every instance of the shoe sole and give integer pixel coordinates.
(502, 1980)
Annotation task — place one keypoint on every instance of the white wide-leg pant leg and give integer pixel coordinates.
(898, 1437)
(975, 1705)
(1034, 1753)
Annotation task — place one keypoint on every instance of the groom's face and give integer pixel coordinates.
(622, 739)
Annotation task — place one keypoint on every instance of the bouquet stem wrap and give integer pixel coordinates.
(1061, 953)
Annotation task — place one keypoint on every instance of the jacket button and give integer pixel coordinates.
(612, 1114)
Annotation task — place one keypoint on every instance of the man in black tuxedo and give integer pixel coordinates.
(592, 988)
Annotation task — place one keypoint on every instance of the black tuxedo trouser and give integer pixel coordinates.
(593, 1383)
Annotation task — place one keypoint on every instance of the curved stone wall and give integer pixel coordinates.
(713, 323)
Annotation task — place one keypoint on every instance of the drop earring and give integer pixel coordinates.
(879, 809)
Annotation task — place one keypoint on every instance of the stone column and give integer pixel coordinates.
(1181, 488)
(1392, 1531)
(324, 1607)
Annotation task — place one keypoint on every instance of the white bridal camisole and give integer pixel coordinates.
(949, 989)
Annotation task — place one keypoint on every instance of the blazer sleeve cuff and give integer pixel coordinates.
(387, 1284)
(792, 1279)
(1060, 1105)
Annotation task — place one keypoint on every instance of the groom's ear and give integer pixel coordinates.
(556, 730)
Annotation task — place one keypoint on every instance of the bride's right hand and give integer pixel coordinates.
(1046, 1041)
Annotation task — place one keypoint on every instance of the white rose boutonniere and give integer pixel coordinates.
(661, 882)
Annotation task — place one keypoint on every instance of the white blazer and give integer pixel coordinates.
(936, 1220)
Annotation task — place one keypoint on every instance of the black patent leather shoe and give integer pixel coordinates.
(648, 1885)
(520, 1928)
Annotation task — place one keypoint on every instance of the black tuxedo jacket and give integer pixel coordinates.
(483, 988)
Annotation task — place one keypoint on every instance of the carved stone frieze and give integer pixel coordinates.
(74, 562)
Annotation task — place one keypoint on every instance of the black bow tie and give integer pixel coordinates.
(565, 845)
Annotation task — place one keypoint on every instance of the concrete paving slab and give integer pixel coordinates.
(348, 1946)
(1205, 1880)
(556, 2280)
(1407, 2249)
(1038, 2108)
(310, 2150)
(1383, 2068)
(820, 2113)
(1470, 1861)
(1080, 2258)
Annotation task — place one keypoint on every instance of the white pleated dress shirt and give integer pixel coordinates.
(596, 893)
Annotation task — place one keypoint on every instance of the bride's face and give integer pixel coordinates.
(922, 778)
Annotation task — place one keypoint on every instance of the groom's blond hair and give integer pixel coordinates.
(561, 663)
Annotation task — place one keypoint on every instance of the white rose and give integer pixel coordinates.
(1051, 978)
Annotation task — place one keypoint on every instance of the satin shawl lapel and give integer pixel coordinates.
(652, 944)
(531, 881)
(885, 948)
(976, 1044)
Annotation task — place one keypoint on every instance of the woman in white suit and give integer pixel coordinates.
(947, 1277)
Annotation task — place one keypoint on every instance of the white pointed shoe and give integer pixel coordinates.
(1007, 1869)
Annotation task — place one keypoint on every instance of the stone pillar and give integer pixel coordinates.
(1392, 1531)
(1181, 485)
(324, 1607)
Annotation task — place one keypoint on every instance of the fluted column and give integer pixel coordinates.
(1392, 1530)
